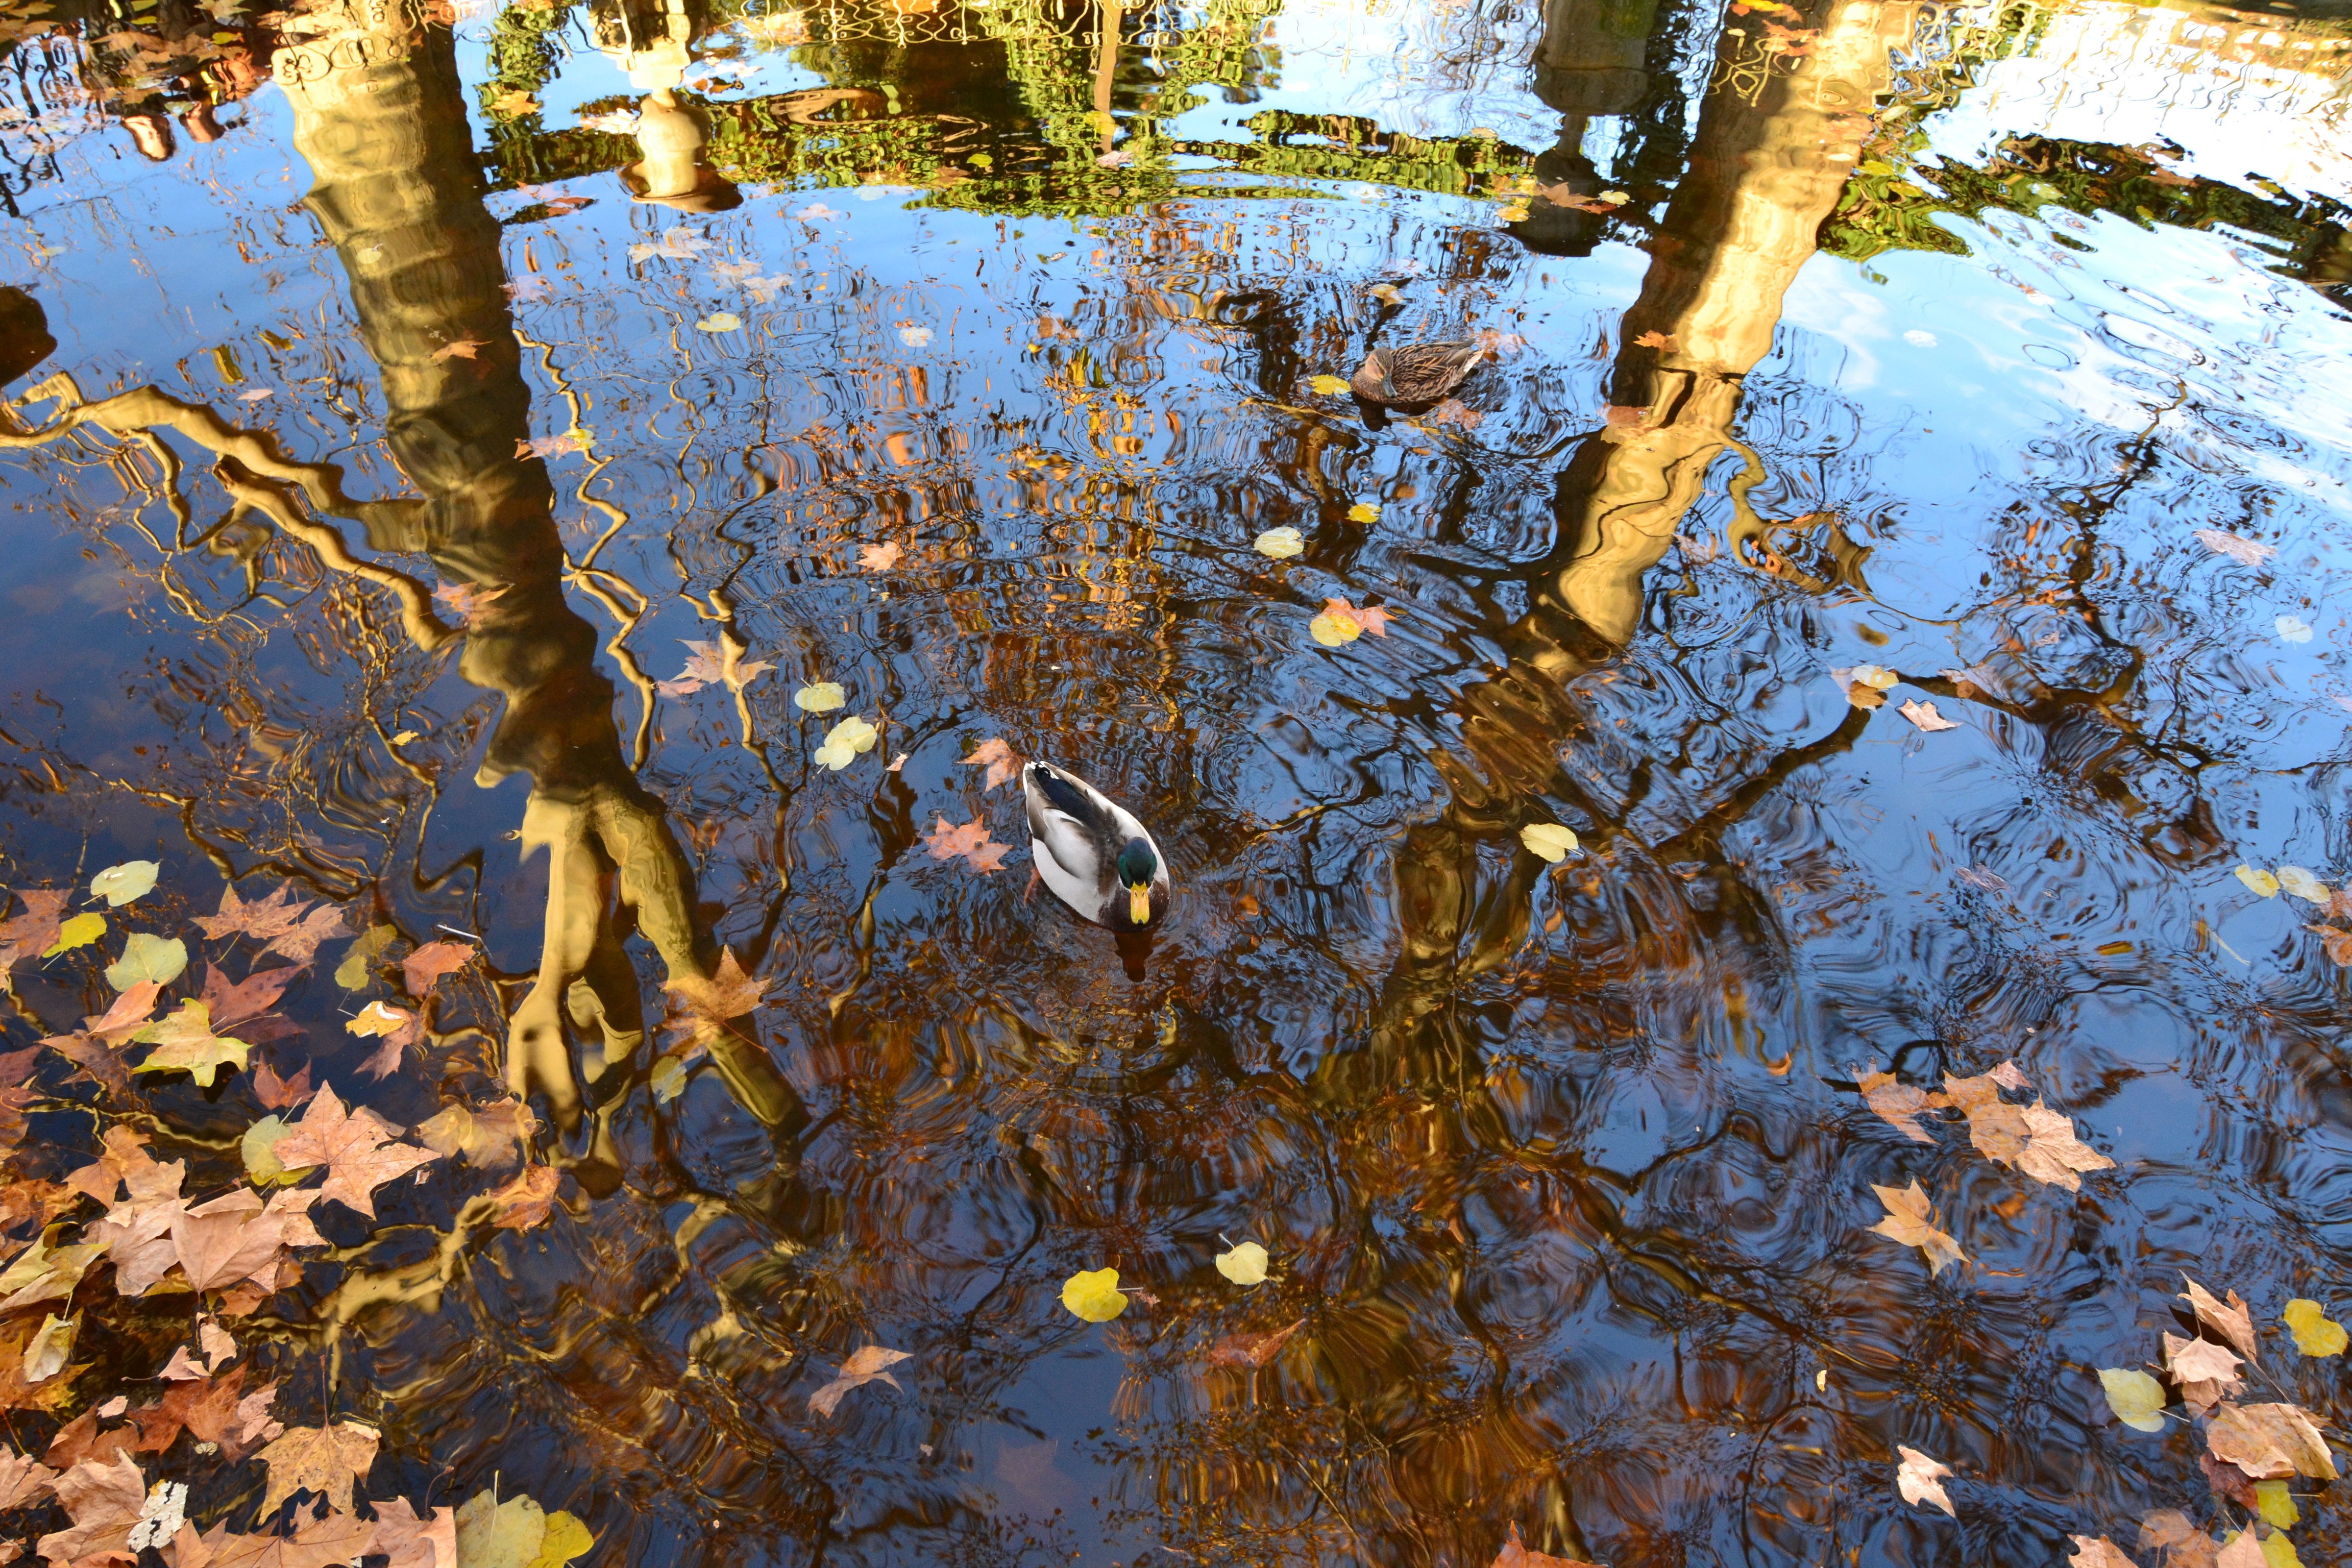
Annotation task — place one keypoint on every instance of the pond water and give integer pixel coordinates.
(447, 447)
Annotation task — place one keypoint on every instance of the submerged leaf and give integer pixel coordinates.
(867, 1364)
(702, 1010)
(2245, 552)
(360, 958)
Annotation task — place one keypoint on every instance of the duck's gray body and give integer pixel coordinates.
(1077, 835)
(1417, 374)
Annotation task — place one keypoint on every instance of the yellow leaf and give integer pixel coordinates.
(820, 697)
(2276, 1503)
(1332, 630)
(403, 737)
(1244, 1265)
(2278, 1551)
(1363, 511)
(78, 932)
(719, 322)
(1516, 213)
(259, 1147)
(566, 1538)
(118, 885)
(186, 1042)
(2261, 882)
(1281, 544)
(1329, 386)
(2315, 1332)
(1549, 839)
(1094, 1295)
(380, 1018)
(2135, 1397)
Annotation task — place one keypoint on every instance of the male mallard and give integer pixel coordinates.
(1092, 852)
(1417, 374)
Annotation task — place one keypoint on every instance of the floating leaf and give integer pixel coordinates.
(2245, 552)
(2232, 1322)
(526, 1200)
(1548, 840)
(915, 337)
(258, 1150)
(50, 1348)
(878, 557)
(1363, 511)
(2293, 630)
(1281, 544)
(356, 1148)
(970, 841)
(1244, 1265)
(820, 697)
(80, 931)
(186, 1042)
(2277, 1504)
(844, 742)
(326, 1460)
(2261, 882)
(2316, 1334)
(358, 967)
(1917, 1478)
(1900, 1104)
(1094, 1295)
(1924, 715)
(1910, 1222)
(1876, 675)
(2137, 1398)
(998, 758)
(1329, 386)
(719, 322)
(865, 1366)
(1516, 1553)
(2302, 884)
(118, 885)
(2097, 1552)
(160, 960)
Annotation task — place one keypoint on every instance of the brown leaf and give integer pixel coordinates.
(2244, 1552)
(992, 754)
(264, 919)
(1662, 341)
(397, 1026)
(2269, 1441)
(2229, 1480)
(326, 1460)
(103, 1500)
(1899, 1104)
(2098, 1552)
(490, 1139)
(412, 1541)
(356, 1149)
(1516, 1553)
(431, 962)
(878, 557)
(2337, 942)
(2054, 1153)
(228, 1239)
(865, 1366)
(127, 1016)
(1915, 1478)
(281, 1093)
(98, 1061)
(462, 347)
(23, 1479)
(250, 998)
(35, 931)
(301, 943)
(79, 1440)
(123, 1164)
(2233, 1322)
(27, 1199)
(524, 1202)
(702, 1010)
(2170, 1531)
(205, 1406)
(2199, 1360)
(970, 841)
(1252, 1349)
(338, 1538)
(1909, 1222)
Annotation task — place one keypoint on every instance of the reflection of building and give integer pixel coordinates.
(1588, 65)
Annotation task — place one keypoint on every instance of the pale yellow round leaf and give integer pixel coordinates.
(1281, 544)
(2261, 882)
(1547, 839)
(820, 697)
(1244, 1265)
(2135, 1397)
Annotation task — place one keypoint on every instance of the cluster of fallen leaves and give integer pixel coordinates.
(1866, 686)
(2032, 1139)
(135, 1220)
(2334, 903)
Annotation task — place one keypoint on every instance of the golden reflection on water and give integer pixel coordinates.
(1332, 1049)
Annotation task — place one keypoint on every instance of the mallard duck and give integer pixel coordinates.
(1092, 852)
(1417, 374)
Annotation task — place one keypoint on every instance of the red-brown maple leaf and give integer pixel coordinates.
(356, 1148)
(35, 929)
(261, 919)
(702, 1010)
(281, 1093)
(1002, 766)
(431, 962)
(249, 1000)
(970, 842)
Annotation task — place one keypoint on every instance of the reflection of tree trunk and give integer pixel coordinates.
(398, 191)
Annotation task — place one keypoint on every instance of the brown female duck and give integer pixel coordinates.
(1418, 374)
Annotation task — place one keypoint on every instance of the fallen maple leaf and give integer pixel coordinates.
(300, 942)
(490, 1139)
(431, 962)
(260, 918)
(245, 1003)
(2233, 1323)
(2197, 1361)
(1899, 1104)
(326, 1460)
(526, 1200)
(186, 1042)
(468, 602)
(970, 841)
(864, 1366)
(2097, 1552)
(36, 928)
(413, 1542)
(878, 557)
(205, 1406)
(992, 754)
(1516, 1554)
(2054, 1153)
(462, 349)
(1909, 1222)
(104, 1502)
(1924, 715)
(357, 1149)
(1916, 1477)
(702, 1010)
(233, 1237)
(1252, 1349)
(127, 1016)
(398, 1028)
(281, 1093)
(23, 1479)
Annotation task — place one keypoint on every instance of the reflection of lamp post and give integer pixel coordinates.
(673, 171)
(1587, 65)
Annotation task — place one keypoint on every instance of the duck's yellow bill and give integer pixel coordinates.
(1139, 905)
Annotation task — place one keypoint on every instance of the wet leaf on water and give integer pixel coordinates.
(490, 1139)
(185, 1042)
(1363, 511)
(1917, 1478)
(2277, 1504)
(1663, 342)
(2293, 630)
(1454, 413)
(258, 1150)
(2199, 1360)
(1386, 293)
(527, 1201)
(50, 1348)
(2245, 552)
(897, 763)
(469, 603)
(38, 927)
(1252, 1349)
(118, 885)
(867, 1364)
(2300, 882)
(510, 104)
(1548, 840)
(1329, 386)
(2098, 1552)
(970, 842)
(104, 1502)
(706, 665)
(1341, 622)
(844, 742)
(358, 967)
(1899, 1104)
(281, 1093)
(915, 337)
(2053, 1153)
(1244, 1264)
(668, 1079)
(719, 322)
(326, 1460)
(820, 697)
(1516, 1554)
(878, 557)
(998, 758)
(428, 963)
(129, 1014)
(397, 1028)
(702, 1010)
(1094, 1295)
(516, 1533)
(543, 447)
(2232, 1322)
(2336, 941)
(78, 932)
(1910, 1222)
(357, 1149)
(256, 394)
(147, 958)
(1280, 543)
(412, 1541)
(463, 348)
(1924, 715)
(2316, 1334)
(2261, 882)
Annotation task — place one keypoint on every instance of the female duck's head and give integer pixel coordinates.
(1136, 867)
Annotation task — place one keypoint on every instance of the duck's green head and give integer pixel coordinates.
(1136, 866)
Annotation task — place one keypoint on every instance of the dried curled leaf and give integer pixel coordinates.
(2233, 1323)
(865, 1366)
(1909, 1222)
(1899, 1104)
(325, 1460)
